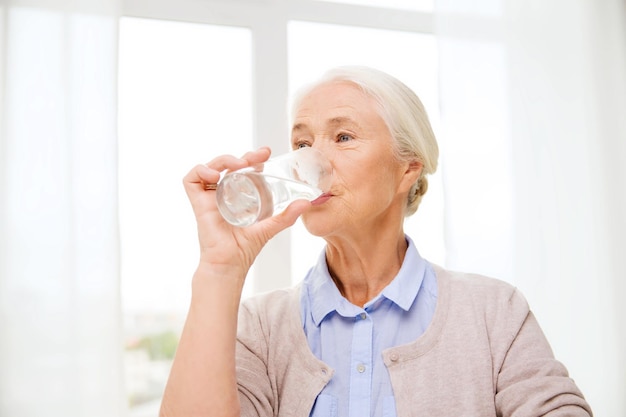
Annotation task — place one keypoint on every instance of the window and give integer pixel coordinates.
(184, 96)
(418, 5)
(215, 82)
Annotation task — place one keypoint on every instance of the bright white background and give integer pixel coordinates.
(184, 98)
(527, 98)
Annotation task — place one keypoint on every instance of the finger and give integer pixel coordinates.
(287, 218)
(293, 211)
(205, 177)
(225, 162)
(200, 175)
(260, 155)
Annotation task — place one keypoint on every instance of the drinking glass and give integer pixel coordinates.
(254, 193)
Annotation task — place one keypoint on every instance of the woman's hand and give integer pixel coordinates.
(222, 245)
(203, 378)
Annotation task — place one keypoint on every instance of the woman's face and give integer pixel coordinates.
(370, 185)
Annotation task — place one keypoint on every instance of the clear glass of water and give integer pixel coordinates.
(254, 193)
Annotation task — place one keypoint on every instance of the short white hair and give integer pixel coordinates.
(402, 111)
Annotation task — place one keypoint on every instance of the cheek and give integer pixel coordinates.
(323, 221)
(357, 184)
(380, 191)
(353, 174)
(377, 177)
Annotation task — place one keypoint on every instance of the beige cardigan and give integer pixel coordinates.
(482, 355)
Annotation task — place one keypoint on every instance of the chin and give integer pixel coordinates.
(318, 224)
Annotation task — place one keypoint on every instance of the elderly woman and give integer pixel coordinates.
(373, 329)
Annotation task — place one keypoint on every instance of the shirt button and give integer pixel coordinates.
(394, 357)
(324, 371)
(360, 368)
(363, 316)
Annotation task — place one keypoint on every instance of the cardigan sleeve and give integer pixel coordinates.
(255, 389)
(530, 381)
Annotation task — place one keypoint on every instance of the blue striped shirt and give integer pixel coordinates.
(351, 339)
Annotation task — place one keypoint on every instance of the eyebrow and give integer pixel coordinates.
(298, 127)
(335, 121)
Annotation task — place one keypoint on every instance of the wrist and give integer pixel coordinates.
(212, 280)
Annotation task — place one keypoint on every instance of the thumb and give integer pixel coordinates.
(287, 218)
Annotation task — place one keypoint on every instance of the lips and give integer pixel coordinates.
(321, 199)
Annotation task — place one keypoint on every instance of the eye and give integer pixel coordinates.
(344, 137)
(300, 144)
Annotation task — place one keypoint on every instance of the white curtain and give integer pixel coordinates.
(533, 105)
(60, 319)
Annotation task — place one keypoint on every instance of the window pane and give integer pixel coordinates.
(416, 5)
(315, 47)
(184, 97)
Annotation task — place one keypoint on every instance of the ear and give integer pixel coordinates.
(411, 174)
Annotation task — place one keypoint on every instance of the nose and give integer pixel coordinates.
(323, 145)
(326, 151)
(323, 166)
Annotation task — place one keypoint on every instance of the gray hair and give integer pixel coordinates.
(403, 114)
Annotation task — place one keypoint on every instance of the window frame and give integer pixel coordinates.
(268, 20)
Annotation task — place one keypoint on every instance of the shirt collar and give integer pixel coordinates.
(405, 286)
(325, 298)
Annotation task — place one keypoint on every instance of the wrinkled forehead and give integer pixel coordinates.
(334, 94)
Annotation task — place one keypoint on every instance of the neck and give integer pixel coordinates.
(362, 268)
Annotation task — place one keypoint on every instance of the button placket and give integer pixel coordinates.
(361, 366)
